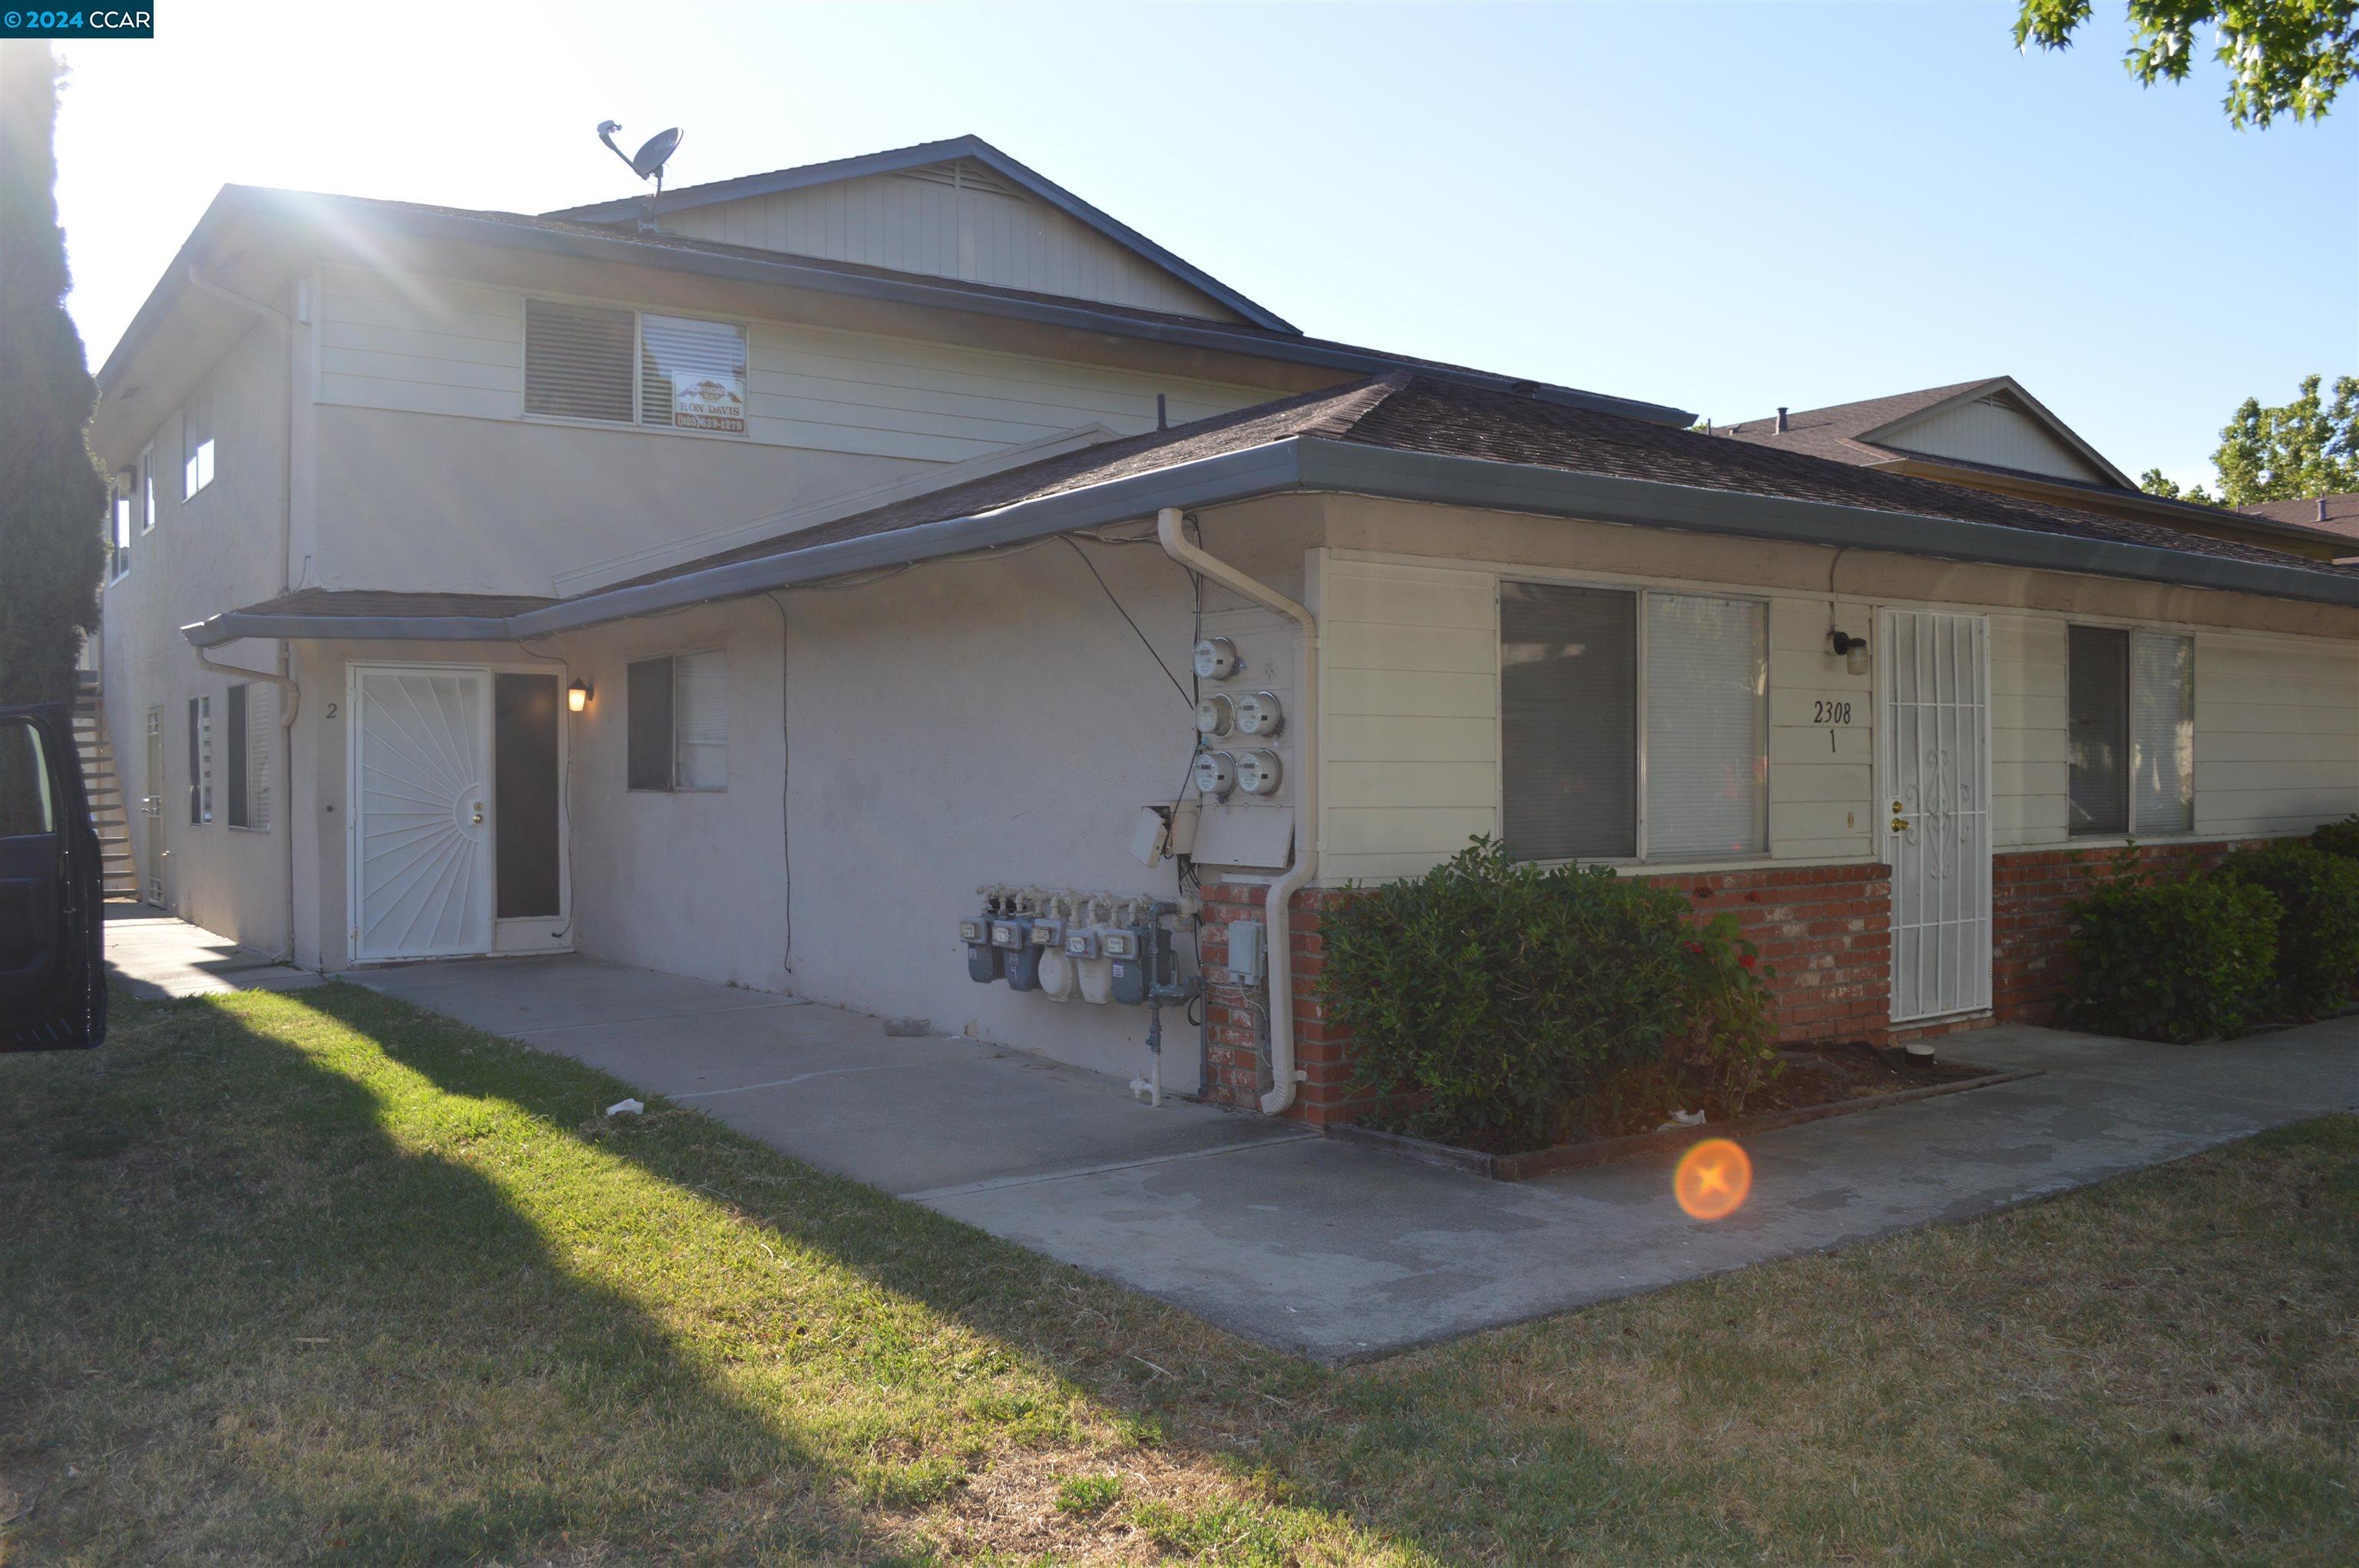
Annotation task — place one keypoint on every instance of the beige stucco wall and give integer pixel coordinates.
(217, 549)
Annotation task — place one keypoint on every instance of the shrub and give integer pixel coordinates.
(1486, 998)
(2318, 931)
(2179, 961)
(2339, 838)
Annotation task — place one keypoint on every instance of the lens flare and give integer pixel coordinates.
(1713, 1180)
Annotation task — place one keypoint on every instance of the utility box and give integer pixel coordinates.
(1247, 962)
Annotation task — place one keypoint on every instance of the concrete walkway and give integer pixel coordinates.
(152, 955)
(1338, 1252)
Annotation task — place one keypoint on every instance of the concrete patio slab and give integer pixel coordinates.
(158, 956)
(1338, 1252)
(919, 1116)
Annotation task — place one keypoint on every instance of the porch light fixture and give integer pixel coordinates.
(1852, 650)
(577, 697)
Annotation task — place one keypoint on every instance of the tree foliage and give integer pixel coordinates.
(52, 498)
(2308, 447)
(2283, 57)
(2288, 453)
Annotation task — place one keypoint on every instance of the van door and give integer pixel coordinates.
(52, 924)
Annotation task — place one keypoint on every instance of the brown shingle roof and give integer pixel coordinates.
(2340, 513)
(1424, 414)
(1834, 432)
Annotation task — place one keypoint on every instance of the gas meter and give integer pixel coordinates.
(1019, 960)
(1058, 980)
(1260, 714)
(1216, 773)
(1216, 658)
(1140, 960)
(981, 958)
(1258, 772)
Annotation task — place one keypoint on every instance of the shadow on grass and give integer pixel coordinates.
(252, 1305)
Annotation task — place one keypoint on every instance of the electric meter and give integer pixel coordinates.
(1216, 658)
(1216, 773)
(1260, 714)
(1258, 772)
(1215, 715)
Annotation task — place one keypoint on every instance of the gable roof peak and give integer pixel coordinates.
(925, 155)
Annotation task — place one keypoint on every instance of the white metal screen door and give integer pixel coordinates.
(421, 798)
(1935, 752)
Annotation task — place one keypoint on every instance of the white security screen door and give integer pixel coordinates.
(421, 803)
(1934, 745)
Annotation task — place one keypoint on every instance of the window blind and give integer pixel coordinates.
(2162, 732)
(2097, 680)
(201, 759)
(1569, 701)
(701, 716)
(252, 719)
(692, 374)
(578, 361)
(1707, 727)
(648, 718)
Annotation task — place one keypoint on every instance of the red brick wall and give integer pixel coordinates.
(2029, 894)
(1825, 929)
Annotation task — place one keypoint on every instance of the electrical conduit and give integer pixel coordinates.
(1279, 915)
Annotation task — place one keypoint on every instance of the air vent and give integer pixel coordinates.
(964, 175)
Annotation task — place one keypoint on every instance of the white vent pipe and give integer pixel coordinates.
(1278, 916)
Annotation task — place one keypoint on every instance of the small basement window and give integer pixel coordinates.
(678, 722)
(2131, 712)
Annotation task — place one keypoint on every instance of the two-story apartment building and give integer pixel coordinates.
(732, 583)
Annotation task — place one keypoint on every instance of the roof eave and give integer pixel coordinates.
(1880, 435)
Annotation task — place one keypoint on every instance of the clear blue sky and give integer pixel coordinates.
(1722, 207)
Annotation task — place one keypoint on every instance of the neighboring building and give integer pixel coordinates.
(1993, 435)
(876, 510)
(2337, 515)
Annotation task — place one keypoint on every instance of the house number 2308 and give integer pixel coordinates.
(1829, 710)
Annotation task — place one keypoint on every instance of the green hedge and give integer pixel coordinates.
(2318, 932)
(1489, 999)
(2339, 838)
(2184, 960)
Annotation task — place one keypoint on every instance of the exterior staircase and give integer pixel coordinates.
(104, 782)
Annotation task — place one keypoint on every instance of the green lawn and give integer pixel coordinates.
(319, 1277)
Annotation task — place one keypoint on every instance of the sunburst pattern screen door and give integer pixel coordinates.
(421, 801)
(1935, 742)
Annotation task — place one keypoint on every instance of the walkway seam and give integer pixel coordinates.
(1001, 1184)
(798, 1078)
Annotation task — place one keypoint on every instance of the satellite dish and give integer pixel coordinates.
(648, 162)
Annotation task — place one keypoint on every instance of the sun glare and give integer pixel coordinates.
(1712, 1178)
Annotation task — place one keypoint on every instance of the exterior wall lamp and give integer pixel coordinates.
(577, 697)
(1852, 650)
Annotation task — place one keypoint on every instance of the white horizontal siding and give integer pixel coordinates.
(1410, 662)
(924, 227)
(1985, 431)
(432, 346)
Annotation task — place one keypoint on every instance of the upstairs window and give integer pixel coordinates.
(1634, 726)
(2131, 740)
(196, 444)
(618, 366)
(678, 723)
(147, 490)
(577, 361)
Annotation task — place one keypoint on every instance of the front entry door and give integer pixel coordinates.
(1934, 749)
(421, 803)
